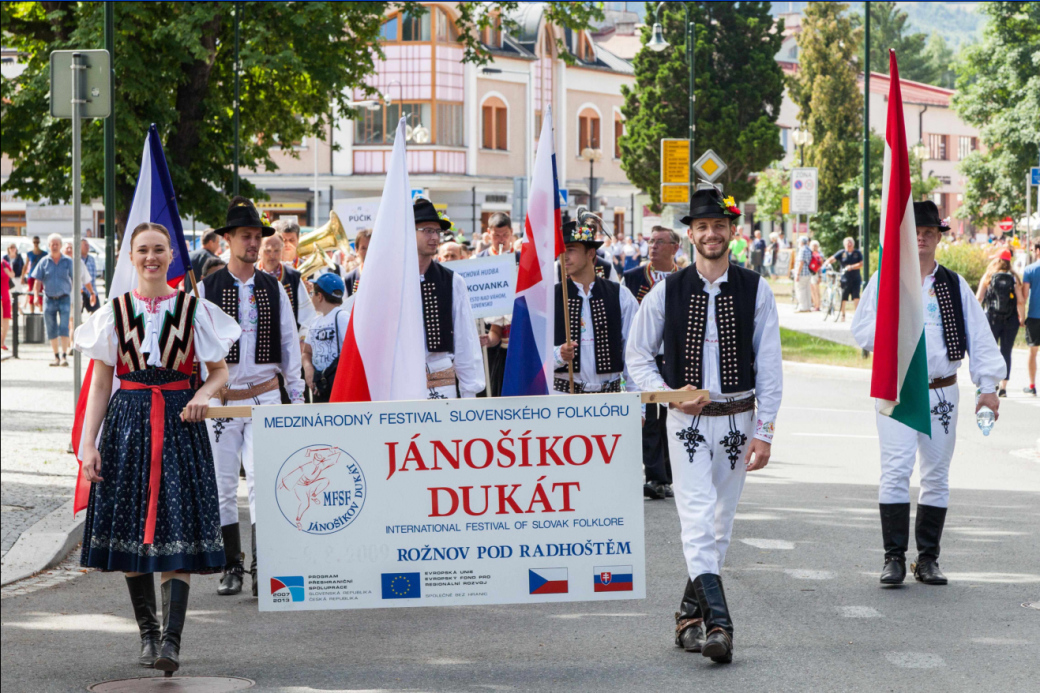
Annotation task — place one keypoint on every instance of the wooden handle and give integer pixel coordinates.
(672, 396)
(245, 410)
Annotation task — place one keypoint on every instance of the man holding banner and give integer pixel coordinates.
(600, 313)
(722, 334)
(453, 353)
(919, 337)
(269, 348)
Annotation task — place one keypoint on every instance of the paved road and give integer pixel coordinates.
(801, 578)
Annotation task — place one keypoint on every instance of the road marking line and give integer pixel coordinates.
(859, 612)
(915, 660)
(805, 574)
(770, 544)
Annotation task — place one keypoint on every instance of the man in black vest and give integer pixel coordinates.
(589, 223)
(454, 361)
(722, 335)
(954, 324)
(601, 313)
(662, 246)
(271, 249)
(269, 347)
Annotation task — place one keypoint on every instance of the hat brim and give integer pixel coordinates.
(709, 215)
(588, 244)
(223, 230)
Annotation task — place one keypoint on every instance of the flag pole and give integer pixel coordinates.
(564, 279)
(483, 347)
(191, 279)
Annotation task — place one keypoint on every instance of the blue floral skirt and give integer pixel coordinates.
(187, 527)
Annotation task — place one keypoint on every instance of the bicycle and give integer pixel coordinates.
(831, 303)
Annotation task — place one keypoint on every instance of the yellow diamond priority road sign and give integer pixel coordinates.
(710, 166)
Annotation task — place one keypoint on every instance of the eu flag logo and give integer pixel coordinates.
(401, 586)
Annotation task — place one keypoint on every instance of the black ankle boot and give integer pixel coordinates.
(231, 579)
(252, 563)
(718, 644)
(928, 530)
(175, 606)
(895, 532)
(689, 624)
(142, 597)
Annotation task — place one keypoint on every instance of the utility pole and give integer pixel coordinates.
(864, 233)
(110, 153)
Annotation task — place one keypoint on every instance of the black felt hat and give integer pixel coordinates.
(586, 235)
(242, 212)
(709, 204)
(927, 214)
(425, 211)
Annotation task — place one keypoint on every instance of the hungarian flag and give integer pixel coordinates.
(154, 201)
(529, 361)
(382, 357)
(900, 372)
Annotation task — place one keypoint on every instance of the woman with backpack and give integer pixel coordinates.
(1000, 292)
(325, 337)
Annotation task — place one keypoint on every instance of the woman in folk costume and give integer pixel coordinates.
(153, 499)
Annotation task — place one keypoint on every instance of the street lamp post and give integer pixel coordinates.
(592, 156)
(658, 43)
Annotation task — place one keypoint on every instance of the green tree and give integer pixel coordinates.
(828, 97)
(300, 62)
(998, 86)
(772, 185)
(888, 29)
(942, 58)
(738, 90)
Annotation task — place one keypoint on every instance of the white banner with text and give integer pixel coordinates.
(490, 282)
(448, 502)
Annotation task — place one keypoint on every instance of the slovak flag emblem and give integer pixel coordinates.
(613, 578)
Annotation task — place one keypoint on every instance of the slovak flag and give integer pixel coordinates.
(382, 357)
(612, 578)
(899, 376)
(529, 361)
(154, 201)
(547, 580)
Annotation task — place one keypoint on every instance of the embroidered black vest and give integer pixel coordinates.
(291, 283)
(639, 281)
(222, 289)
(686, 310)
(437, 295)
(947, 287)
(605, 307)
(352, 281)
(176, 345)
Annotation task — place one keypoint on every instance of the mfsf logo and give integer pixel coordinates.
(320, 489)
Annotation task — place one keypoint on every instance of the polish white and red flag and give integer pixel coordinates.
(529, 361)
(383, 357)
(899, 377)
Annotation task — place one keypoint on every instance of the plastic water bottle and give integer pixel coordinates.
(985, 418)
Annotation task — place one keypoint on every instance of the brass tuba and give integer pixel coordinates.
(313, 244)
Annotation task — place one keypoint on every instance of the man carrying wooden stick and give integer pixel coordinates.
(600, 314)
(722, 335)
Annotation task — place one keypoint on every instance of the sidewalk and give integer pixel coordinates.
(37, 473)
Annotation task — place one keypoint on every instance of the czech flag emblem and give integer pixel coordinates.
(548, 580)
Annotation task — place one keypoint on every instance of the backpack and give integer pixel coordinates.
(324, 379)
(1000, 296)
(815, 263)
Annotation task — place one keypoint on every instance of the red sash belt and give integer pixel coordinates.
(158, 421)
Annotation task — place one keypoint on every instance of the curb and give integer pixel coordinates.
(42, 546)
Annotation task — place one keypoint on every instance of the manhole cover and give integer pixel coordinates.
(174, 684)
(1031, 605)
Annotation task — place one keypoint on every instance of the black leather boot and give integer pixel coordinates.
(252, 563)
(718, 644)
(928, 529)
(895, 532)
(142, 597)
(175, 606)
(231, 579)
(689, 624)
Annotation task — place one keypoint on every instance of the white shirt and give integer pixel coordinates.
(247, 372)
(986, 366)
(587, 342)
(647, 337)
(326, 334)
(306, 312)
(468, 357)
